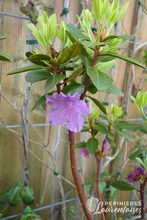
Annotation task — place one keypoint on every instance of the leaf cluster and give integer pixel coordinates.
(3, 55)
(84, 54)
(18, 193)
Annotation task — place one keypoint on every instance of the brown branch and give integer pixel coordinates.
(75, 176)
(142, 191)
(95, 57)
(86, 88)
(58, 88)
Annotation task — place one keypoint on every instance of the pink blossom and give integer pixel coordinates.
(68, 109)
(137, 174)
(84, 152)
(105, 145)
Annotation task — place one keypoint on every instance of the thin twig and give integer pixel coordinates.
(109, 159)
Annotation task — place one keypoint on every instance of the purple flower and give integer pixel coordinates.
(84, 152)
(105, 145)
(136, 175)
(67, 109)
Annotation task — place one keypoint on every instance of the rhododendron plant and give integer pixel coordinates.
(72, 75)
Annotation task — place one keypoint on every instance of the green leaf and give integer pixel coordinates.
(41, 63)
(141, 162)
(92, 89)
(101, 80)
(73, 87)
(123, 37)
(106, 58)
(113, 14)
(2, 37)
(116, 111)
(140, 101)
(41, 101)
(110, 37)
(123, 186)
(99, 104)
(28, 214)
(27, 195)
(61, 33)
(68, 53)
(135, 154)
(100, 127)
(87, 18)
(53, 80)
(5, 57)
(125, 134)
(89, 44)
(114, 90)
(121, 124)
(123, 10)
(85, 129)
(39, 34)
(28, 210)
(105, 66)
(125, 58)
(37, 75)
(26, 69)
(85, 57)
(14, 195)
(81, 145)
(105, 6)
(92, 145)
(94, 114)
(97, 10)
(29, 54)
(45, 30)
(51, 27)
(76, 73)
(39, 57)
(75, 33)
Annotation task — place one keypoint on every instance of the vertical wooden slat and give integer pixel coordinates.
(13, 88)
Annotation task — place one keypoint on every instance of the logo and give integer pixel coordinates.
(92, 204)
(124, 207)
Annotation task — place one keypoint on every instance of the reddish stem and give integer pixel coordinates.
(72, 151)
(73, 163)
(98, 163)
(58, 88)
(95, 57)
(86, 88)
(142, 189)
(75, 176)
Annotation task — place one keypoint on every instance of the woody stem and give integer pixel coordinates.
(73, 162)
(142, 188)
(75, 176)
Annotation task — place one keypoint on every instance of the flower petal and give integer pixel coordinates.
(75, 123)
(84, 152)
(67, 108)
(82, 108)
(53, 119)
